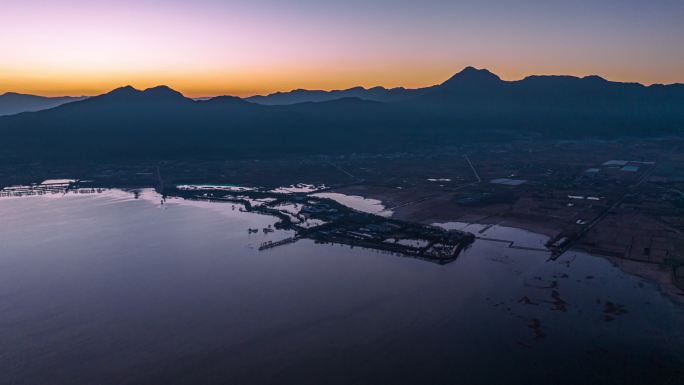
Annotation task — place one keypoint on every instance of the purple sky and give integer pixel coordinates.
(210, 47)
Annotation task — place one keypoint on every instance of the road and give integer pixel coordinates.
(473, 168)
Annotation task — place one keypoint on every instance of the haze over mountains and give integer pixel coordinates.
(380, 94)
(472, 105)
(13, 103)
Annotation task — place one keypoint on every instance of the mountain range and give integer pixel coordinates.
(14, 103)
(379, 94)
(161, 123)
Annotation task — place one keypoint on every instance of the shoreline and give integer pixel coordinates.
(661, 275)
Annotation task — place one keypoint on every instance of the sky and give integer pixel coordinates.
(212, 47)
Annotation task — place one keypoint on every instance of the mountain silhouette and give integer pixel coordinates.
(472, 105)
(471, 76)
(378, 94)
(14, 103)
(128, 94)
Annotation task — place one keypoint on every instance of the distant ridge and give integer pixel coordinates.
(470, 78)
(474, 104)
(379, 94)
(14, 103)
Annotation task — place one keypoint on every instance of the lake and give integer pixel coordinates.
(123, 288)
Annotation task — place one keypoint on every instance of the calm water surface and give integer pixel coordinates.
(110, 289)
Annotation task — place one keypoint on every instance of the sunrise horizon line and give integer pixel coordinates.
(249, 94)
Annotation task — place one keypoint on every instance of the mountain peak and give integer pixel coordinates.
(129, 93)
(472, 75)
(595, 78)
(163, 91)
(127, 88)
(123, 91)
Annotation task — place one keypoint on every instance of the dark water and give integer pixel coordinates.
(108, 289)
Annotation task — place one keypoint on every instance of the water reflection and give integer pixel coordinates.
(515, 237)
(366, 205)
(109, 289)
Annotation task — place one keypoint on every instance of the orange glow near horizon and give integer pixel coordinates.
(227, 47)
(259, 83)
